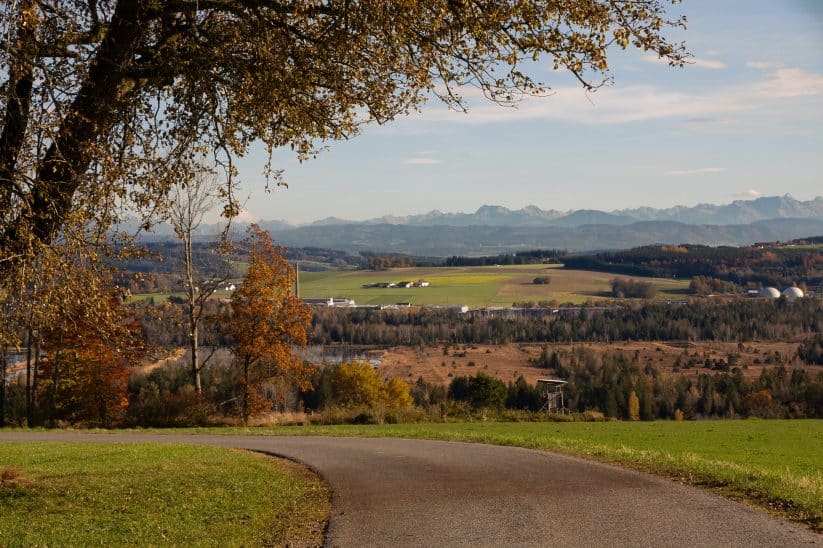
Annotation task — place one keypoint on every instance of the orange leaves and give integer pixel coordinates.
(267, 318)
(85, 373)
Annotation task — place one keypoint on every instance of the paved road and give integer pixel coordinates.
(390, 492)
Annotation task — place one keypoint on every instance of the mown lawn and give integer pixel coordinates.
(776, 464)
(148, 494)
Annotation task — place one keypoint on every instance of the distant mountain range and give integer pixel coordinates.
(495, 229)
(489, 240)
(736, 213)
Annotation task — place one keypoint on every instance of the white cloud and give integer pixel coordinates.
(613, 105)
(694, 61)
(422, 161)
(247, 216)
(712, 52)
(751, 193)
(710, 121)
(762, 65)
(707, 64)
(713, 109)
(696, 171)
(791, 82)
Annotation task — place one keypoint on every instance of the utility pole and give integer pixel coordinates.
(297, 279)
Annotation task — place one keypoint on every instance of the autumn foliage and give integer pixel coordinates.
(357, 384)
(76, 337)
(265, 320)
(83, 375)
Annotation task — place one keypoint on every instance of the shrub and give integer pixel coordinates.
(634, 406)
(633, 289)
(479, 391)
(811, 351)
(357, 384)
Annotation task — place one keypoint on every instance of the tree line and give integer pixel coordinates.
(534, 256)
(779, 266)
(620, 387)
(696, 320)
(95, 385)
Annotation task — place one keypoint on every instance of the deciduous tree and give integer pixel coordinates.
(357, 384)
(105, 103)
(634, 406)
(85, 372)
(191, 199)
(266, 319)
(64, 310)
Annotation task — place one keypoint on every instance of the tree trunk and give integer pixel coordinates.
(245, 403)
(38, 356)
(3, 364)
(18, 103)
(55, 380)
(193, 299)
(195, 359)
(89, 118)
(29, 409)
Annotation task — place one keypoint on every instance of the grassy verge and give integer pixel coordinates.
(777, 465)
(150, 494)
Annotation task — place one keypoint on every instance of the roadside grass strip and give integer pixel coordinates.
(58, 494)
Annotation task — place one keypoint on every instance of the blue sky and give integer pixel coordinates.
(745, 119)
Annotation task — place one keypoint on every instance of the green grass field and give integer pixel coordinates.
(776, 464)
(160, 297)
(58, 494)
(472, 286)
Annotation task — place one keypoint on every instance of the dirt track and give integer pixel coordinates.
(391, 492)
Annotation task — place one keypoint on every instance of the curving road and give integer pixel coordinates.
(393, 492)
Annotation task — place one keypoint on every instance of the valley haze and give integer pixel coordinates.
(496, 229)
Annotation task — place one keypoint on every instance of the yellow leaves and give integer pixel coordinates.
(398, 394)
(634, 406)
(621, 37)
(357, 384)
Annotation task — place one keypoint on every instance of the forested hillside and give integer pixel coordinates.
(799, 262)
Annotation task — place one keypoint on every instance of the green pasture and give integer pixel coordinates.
(160, 297)
(472, 286)
(65, 494)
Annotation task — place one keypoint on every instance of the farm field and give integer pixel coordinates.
(103, 494)
(472, 286)
(160, 297)
(509, 361)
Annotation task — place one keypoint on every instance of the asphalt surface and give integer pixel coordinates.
(392, 492)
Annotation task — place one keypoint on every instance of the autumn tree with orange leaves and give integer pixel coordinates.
(265, 321)
(68, 318)
(84, 374)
